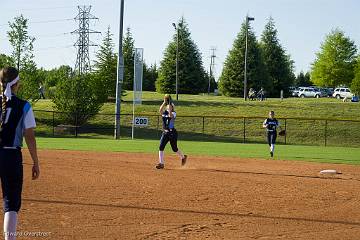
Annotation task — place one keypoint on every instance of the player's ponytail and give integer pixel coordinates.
(3, 100)
(168, 99)
(7, 75)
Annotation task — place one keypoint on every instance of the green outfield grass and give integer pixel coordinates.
(283, 152)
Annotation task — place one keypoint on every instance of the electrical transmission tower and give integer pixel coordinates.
(83, 43)
(212, 67)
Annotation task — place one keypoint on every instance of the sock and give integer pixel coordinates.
(10, 221)
(161, 157)
(272, 147)
(180, 154)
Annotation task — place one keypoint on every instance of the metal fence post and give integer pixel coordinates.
(244, 130)
(76, 123)
(326, 123)
(53, 123)
(203, 125)
(285, 131)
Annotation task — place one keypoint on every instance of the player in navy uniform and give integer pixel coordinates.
(271, 124)
(169, 134)
(16, 120)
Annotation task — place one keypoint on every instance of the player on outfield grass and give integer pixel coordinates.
(167, 111)
(16, 120)
(271, 124)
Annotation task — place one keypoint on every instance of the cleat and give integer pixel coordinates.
(271, 154)
(159, 166)
(183, 161)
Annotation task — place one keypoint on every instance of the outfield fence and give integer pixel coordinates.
(300, 131)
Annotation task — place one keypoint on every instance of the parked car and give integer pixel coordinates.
(342, 93)
(309, 92)
(330, 91)
(325, 92)
(294, 91)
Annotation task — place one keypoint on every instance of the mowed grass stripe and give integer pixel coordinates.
(283, 152)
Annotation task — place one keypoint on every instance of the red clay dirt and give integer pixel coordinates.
(90, 195)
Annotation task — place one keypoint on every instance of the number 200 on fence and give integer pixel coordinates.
(141, 121)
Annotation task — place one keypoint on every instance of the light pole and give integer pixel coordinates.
(177, 60)
(246, 53)
(120, 74)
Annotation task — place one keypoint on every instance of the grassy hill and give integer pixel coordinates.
(225, 106)
(224, 120)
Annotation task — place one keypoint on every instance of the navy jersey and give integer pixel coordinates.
(19, 116)
(271, 124)
(168, 122)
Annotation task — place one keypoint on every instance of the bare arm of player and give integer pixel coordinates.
(171, 108)
(264, 124)
(162, 107)
(31, 143)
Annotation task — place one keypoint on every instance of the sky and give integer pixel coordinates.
(302, 25)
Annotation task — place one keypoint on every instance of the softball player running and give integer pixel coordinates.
(16, 120)
(271, 124)
(167, 111)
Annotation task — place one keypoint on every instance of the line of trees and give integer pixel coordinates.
(269, 67)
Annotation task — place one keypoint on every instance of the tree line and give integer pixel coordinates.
(269, 66)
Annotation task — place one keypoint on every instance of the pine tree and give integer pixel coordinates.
(191, 73)
(278, 63)
(355, 85)
(150, 76)
(334, 63)
(106, 65)
(303, 80)
(128, 51)
(231, 82)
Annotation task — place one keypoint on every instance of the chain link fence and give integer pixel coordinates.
(300, 131)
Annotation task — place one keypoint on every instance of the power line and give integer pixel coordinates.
(44, 8)
(53, 47)
(46, 21)
(51, 36)
(52, 21)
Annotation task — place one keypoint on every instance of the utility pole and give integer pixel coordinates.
(83, 64)
(120, 73)
(246, 53)
(212, 67)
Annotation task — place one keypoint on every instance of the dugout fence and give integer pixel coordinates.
(300, 131)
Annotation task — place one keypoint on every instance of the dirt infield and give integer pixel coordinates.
(87, 195)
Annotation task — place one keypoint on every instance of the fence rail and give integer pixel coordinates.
(307, 131)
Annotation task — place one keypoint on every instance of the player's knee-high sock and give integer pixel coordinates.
(272, 147)
(10, 221)
(180, 154)
(161, 157)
